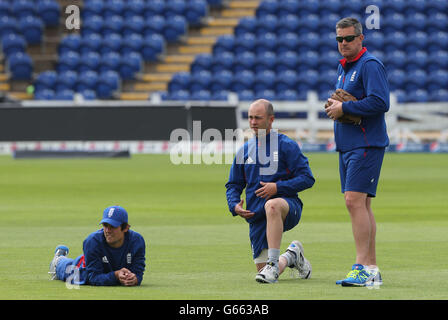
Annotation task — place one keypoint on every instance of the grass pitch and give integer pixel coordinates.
(197, 250)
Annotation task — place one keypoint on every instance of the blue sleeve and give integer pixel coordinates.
(94, 265)
(376, 89)
(236, 183)
(301, 175)
(138, 260)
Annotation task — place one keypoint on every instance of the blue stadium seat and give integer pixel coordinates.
(70, 42)
(438, 40)
(266, 94)
(197, 9)
(44, 94)
(113, 24)
(396, 59)
(86, 80)
(49, 11)
(266, 42)
(23, 8)
(286, 79)
(200, 81)
(5, 8)
(439, 95)
(8, 25)
(131, 64)
(419, 95)
(221, 80)
(266, 61)
(397, 78)
(153, 46)
(133, 25)
(114, 7)
(154, 25)
(246, 25)
(110, 61)
(175, 27)
(45, 80)
(91, 43)
(242, 80)
(439, 78)
(134, 43)
(288, 41)
(201, 95)
(20, 65)
(245, 42)
(203, 61)
(92, 24)
(134, 8)
(65, 95)
(108, 82)
(214, 3)
(439, 58)
(66, 80)
(223, 61)
(264, 80)
(246, 95)
(395, 40)
(179, 95)
(13, 43)
(92, 7)
(32, 29)
(88, 94)
(310, 77)
(154, 8)
(89, 61)
(68, 60)
(287, 8)
(224, 43)
(179, 81)
(268, 24)
(244, 61)
(310, 40)
(417, 60)
(328, 21)
(288, 23)
(175, 8)
(267, 7)
(222, 95)
(287, 61)
(111, 42)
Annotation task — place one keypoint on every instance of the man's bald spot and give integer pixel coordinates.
(267, 106)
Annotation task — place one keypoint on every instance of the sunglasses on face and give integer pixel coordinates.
(346, 38)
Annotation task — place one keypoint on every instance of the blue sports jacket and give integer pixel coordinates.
(101, 260)
(365, 78)
(285, 165)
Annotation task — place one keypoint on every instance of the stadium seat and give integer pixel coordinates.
(246, 95)
(133, 8)
(114, 7)
(44, 94)
(110, 61)
(175, 27)
(70, 42)
(242, 80)
(66, 95)
(133, 43)
(8, 25)
(66, 80)
(133, 25)
(287, 8)
(246, 25)
(13, 43)
(264, 80)
(288, 41)
(88, 94)
(131, 64)
(201, 95)
(45, 80)
(266, 61)
(92, 7)
(68, 60)
(419, 95)
(154, 8)
(5, 8)
(223, 61)
(32, 29)
(439, 95)
(89, 60)
(224, 43)
(200, 81)
(179, 95)
(288, 24)
(154, 25)
(111, 43)
(175, 8)
(267, 7)
(49, 11)
(287, 61)
(153, 46)
(179, 81)
(201, 62)
(92, 42)
(221, 80)
(245, 42)
(244, 61)
(87, 80)
(20, 65)
(266, 42)
(286, 80)
(197, 9)
(113, 24)
(92, 24)
(222, 95)
(23, 8)
(266, 94)
(108, 82)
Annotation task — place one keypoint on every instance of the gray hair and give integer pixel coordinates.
(350, 22)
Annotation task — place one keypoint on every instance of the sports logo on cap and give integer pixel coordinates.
(111, 212)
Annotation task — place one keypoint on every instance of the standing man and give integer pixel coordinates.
(114, 255)
(361, 147)
(272, 169)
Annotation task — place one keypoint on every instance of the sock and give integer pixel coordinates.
(273, 255)
(290, 257)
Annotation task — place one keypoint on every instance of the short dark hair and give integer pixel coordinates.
(124, 225)
(350, 22)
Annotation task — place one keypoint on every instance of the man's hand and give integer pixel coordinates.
(334, 109)
(267, 191)
(246, 214)
(126, 277)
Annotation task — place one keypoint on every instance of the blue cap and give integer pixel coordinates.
(115, 216)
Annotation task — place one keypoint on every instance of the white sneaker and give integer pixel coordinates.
(302, 265)
(269, 274)
(60, 252)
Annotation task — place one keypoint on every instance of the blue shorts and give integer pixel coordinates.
(359, 170)
(257, 230)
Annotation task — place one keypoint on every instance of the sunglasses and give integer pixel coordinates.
(346, 38)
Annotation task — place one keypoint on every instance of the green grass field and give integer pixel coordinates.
(197, 250)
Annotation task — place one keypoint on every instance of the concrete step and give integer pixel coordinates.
(157, 77)
(170, 67)
(152, 86)
(195, 49)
